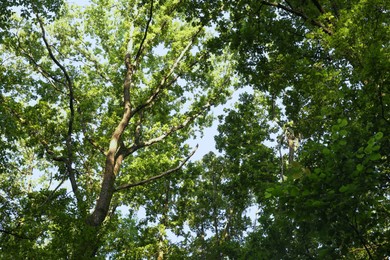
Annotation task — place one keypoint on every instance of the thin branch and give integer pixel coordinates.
(300, 14)
(361, 238)
(172, 130)
(138, 129)
(92, 58)
(163, 82)
(52, 153)
(141, 46)
(381, 94)
(54, 59)
(156, 177)
(89, 139)
(289, 4)
(69, 143)
(42, 141)
(38, 67)
(44, 73)
(279, 145)
(96, 146)
(53, 192)
(319, 7)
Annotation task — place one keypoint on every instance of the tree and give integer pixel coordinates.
(103, 97)
(327, 63)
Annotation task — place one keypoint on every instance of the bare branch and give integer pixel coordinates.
(156, 177)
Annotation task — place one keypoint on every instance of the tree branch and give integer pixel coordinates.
(52, 153)
(92, 58)
(156, 177)
(96, 146)
(114, 159)
(319, 7)
(362, 240)
(86, 135)
(54, 59)
(69, 142)
(163, 82)
(173, 129)
(138, 129)
(300, 14)
(141, 46)
(38, 67)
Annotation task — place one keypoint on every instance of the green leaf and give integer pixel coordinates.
(326, 151)
(343, 132)
(375, 157)
(343, 142)
(360, 155)
(349, 188)
(344, 188)
(378, 136)
(342, 122)
(359, 167)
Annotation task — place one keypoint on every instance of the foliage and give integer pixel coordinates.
(123, 75)
(98, 104)
(334, 199)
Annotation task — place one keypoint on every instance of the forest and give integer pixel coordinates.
(105, 105)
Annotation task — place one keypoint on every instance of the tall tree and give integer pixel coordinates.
(324, 69)
(102, 98)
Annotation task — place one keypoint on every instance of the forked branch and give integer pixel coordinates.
(163, 84)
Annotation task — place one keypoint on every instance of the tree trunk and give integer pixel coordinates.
(89, 235)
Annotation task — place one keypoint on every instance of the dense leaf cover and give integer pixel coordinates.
(98, 104)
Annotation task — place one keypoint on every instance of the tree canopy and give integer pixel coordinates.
(99, 105)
